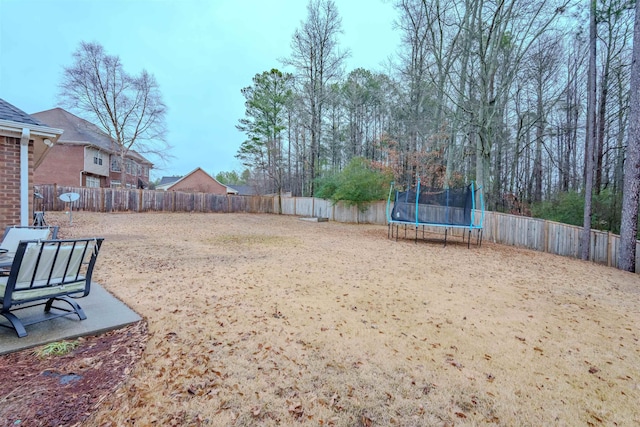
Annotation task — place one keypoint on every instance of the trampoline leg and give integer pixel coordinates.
(469, 241)
(479, 238)
(397, 232)
(417, 234)
(445, 237)
(388, 231)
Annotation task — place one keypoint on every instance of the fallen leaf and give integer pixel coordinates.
(296, 409)
(366, 421)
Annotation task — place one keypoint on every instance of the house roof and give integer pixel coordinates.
(15, 123)
(168, 180)
(244, 190)
(82, 132)
(14, 114)
(76, 130)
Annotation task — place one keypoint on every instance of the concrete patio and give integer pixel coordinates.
(104, 313)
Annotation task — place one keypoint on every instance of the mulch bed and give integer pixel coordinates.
(65, 390)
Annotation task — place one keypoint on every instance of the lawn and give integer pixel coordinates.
(270, 320)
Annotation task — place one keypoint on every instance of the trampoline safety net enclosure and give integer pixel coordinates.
(447, 208)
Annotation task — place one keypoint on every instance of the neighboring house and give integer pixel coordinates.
(245, 190)
(85, 156)
(197, 181)
(166, 181)
(24, 143)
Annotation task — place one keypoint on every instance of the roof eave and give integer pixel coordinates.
(36, 130)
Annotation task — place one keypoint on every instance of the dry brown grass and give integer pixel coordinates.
(269, 320)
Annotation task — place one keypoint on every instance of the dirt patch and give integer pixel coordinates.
(269, 320)
(66, 390)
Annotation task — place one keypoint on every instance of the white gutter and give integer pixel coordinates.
(24, 176)
(35, 130)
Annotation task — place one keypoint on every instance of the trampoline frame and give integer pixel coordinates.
(469, 228)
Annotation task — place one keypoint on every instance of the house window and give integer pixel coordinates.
(115, 165)
(92, 181)
(97, 159)
(115, 183)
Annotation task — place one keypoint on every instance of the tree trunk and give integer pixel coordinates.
(602, 118)
(537, 162)
(585, 238)
(631, 192)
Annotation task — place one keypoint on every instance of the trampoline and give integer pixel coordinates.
(446, 208)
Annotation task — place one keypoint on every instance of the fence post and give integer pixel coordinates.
(546, 236)
(608, 248)
(55, 197)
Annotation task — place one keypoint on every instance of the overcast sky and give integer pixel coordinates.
(202, 52)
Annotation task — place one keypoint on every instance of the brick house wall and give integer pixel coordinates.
(199, 181)
(10, 181)
(130, 178)
(62, 166)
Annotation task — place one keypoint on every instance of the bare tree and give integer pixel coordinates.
(543, 67)
(631, 191)
(318, 62)
(503, 36)
(128, 108)
(614, 18)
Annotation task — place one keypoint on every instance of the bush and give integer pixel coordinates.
(568, 208)
(326, 186)
(358, 184)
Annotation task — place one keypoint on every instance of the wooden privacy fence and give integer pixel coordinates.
(531, 233)
(123, 200)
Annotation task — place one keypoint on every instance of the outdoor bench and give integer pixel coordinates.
(15, 233)
(44, 272)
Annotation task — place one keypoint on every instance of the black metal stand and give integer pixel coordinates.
(38, 219)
